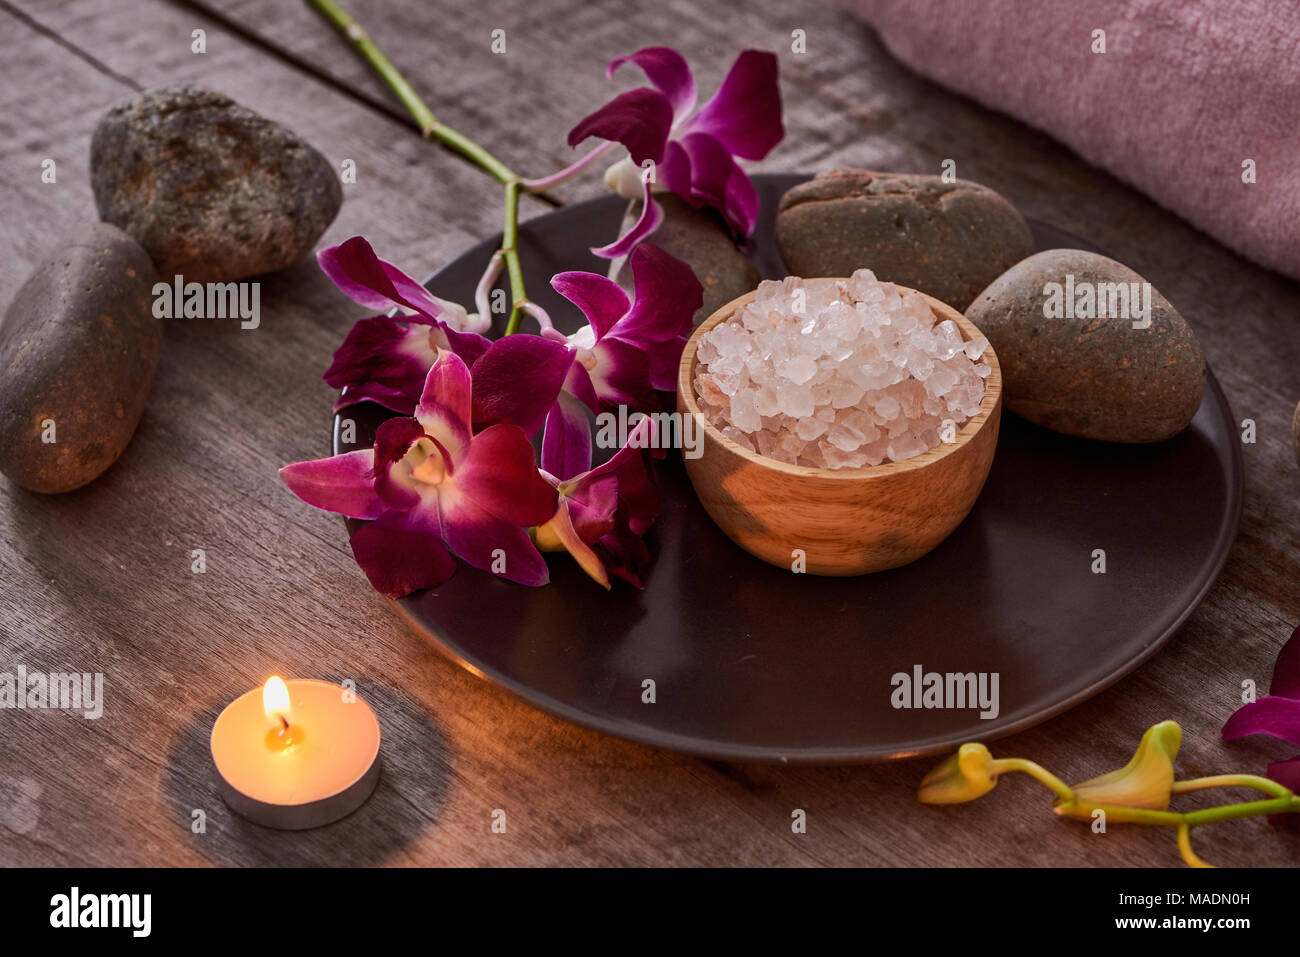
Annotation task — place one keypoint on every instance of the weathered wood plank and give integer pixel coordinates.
(101, 579)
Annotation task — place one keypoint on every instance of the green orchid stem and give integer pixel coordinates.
(1266, 785)
(1036, 771)
(510, 251)
(432, 129)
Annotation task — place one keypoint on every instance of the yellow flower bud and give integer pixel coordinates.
(966, 775)
(1146, 781)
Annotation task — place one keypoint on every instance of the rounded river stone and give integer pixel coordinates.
(213, 191)
(949, 240)
(1076, 359)
(78, 349)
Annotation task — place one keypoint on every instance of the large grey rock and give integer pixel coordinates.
(948, 240)
(700, 239)
(1094, 376)
(78, 349)
(213, 191)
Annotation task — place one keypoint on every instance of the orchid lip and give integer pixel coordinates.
(428, 461)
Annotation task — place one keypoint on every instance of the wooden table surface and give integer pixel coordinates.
(101, 580)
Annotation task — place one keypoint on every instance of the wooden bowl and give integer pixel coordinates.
(845, 521)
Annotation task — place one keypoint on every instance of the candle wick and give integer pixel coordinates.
(284, 722)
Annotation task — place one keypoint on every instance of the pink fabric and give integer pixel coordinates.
(1186, 90)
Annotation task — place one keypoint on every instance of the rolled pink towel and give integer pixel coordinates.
(1186, 92)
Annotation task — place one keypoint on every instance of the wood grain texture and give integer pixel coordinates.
(846, 521)
(101, 579)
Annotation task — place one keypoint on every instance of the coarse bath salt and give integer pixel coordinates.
(834, 373)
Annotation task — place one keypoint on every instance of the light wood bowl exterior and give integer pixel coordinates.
(846, 521)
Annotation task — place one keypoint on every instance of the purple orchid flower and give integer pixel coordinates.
(605, 512)
(627, 350)
(385, 359)
(694, 154)
(431, 484)
(1277, 714)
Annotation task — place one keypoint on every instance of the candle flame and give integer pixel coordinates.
(275, 701)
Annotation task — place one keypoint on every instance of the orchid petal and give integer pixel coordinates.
(624, 553)
(566, 443)
(517, 381)
(482, 539)
(601, 300)
(446, 404)
(365, 278)
(699, 169)
(667, 297)
(386, 361)
(638, 497)
(622, 374)
(668, 71)
(1276, 716)
(499, 475)
(740, 201)
(744, 115)
(401, 555)
(640, 119)
(652, 215)
(1286, 671)
(579, 385)
(393, 439)
(560, 528)
(342, 483)
(383, 351)
(395, 400)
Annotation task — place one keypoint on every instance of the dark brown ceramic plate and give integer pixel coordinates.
(752, 663)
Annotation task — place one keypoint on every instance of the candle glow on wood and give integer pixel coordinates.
(296, 744)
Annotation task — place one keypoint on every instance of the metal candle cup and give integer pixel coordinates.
(296, 754)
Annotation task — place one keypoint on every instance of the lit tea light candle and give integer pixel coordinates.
(296, 754)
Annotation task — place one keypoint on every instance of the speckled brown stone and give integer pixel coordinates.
(1095, 378)
(948, 240)
(213, 191)
(78, 347)
(700, 239)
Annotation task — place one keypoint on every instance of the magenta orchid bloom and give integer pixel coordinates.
(605, 512)
(1277, 714)
(385, 359)
(627, 350)
(694, 155)
(431, 484)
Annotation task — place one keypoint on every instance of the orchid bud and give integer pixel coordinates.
(1146, 781)
(965, 776)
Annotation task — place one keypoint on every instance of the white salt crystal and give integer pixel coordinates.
(862, 374)
(810, 428)
(887, 408)
(744, 415)
(798, 369)
(793, 399)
